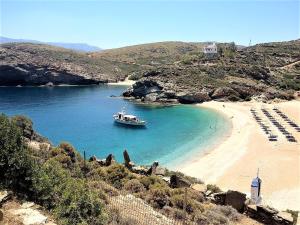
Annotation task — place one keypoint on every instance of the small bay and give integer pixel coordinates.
(82, 115)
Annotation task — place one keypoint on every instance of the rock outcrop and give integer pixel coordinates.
(178, 182)
(110, 159)
(39, 64)
(268, 215)
(235, 199)
(128, 163)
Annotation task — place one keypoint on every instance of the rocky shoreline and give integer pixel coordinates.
(152, 91)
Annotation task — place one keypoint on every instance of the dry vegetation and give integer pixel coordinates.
(76, 191)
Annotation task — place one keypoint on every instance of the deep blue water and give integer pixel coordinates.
(83, 116)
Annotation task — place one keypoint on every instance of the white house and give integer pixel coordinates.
(210, 49)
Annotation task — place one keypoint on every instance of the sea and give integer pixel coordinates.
(83, 116)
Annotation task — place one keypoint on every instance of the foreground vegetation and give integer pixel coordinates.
(77, 191)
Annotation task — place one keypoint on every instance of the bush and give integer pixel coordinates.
(191, 205)
(25, 124)
(97, 173)
(213, 188)
(178, 214)
(228, 212)
(69, 150)
(79, 205)
(15, 162)
(158, 197)
(152, 182)
(70, 199)
(215, 217)
(115, 175)
(134, 186)
(48, 182)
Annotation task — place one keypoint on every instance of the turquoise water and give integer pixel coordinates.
(83, 116)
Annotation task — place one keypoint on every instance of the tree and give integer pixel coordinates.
(15, 163)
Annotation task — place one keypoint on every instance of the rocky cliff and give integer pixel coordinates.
(39, 64)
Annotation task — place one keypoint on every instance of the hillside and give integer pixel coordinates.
(263, 71)
(167, 72)
(82, 47)
(151, 55)
(72, 190)
(38, 64)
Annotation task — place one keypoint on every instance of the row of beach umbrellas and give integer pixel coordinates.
(281, 128)
(264, 127)
(287, 119)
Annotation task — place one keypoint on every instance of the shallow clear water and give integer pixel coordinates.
(83, 116)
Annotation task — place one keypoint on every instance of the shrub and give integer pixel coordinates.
(48, 181)
(213, 188)
(134, 186)
(188, 178)
(15, 162)
(158, 197)
(79, 205)
(25, 124)
(116, 173)
(69, 149)
(71, 200)
(152, 182)
(178, 214)
(97, 173)
(179, 202)
(228, 212)
(55, 151)
(215, 217)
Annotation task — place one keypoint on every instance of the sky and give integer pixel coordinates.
(112, 24)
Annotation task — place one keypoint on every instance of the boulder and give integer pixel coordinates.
(139, 170)
(127, 160)
(236, 199)
(93, 158)
(268, 215)
(218, 198)
(109, 160)
(178, 182)
(143, 88)
(169, 94)
(225, 93)
(152, 97)
(128, 92)
(285, 218)
(266, 210)
(233, 198)
(155, 169)
(189, 98)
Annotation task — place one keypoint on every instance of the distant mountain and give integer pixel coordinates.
(82, 47)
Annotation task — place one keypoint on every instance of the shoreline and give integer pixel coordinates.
(233, 163)
(126, 82)
(199, 152)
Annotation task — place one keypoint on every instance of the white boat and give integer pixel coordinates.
(126, 119)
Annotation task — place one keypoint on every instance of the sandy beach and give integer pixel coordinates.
(126, 82)
(234, 162)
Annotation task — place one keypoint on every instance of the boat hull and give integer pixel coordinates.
(131, 123)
